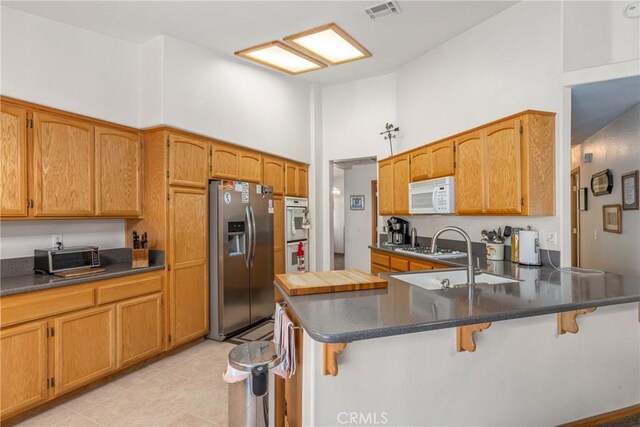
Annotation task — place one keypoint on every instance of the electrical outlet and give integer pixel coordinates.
(595, 234)
(551, 237)
(55, 239)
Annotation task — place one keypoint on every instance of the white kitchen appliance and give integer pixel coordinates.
(433, 196)
(529, 247)
(295, 231)
(291, 259)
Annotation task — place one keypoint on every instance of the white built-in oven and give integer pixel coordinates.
(292, 256)
(434, 196)
(294, 218)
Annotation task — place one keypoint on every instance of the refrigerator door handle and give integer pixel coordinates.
(253, 235)
(249, 244)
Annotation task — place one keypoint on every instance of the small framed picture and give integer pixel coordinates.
(602, 183)
(630, 191)
(612, 218)
(357, 202)
(582, 199)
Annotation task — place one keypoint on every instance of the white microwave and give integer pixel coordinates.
(434, 196)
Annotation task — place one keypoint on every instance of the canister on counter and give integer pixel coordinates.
(515, 245)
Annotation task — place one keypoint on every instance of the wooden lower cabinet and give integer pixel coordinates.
(189, 303)
(375, 269)
(139, 323)
(384, 262)
(85, 347)
(23, 367)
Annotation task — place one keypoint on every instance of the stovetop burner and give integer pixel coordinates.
(426, 251)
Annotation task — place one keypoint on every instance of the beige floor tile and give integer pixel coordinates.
(155, 414)
(50, 417)
(108, 412)
(212, 407)
(94, 396)
(77, 420)
(188, 420)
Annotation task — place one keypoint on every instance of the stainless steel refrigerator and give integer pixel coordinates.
(240, 256)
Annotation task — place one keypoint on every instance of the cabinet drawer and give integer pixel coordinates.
(36, 305)
(417, 266)
(399, 264)
(129, 287)
(380, 259)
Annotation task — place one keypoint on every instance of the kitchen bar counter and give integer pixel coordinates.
(403, 308)
(37, 282)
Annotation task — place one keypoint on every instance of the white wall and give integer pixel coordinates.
(211, 94)
(338, 210)
(65, 67)
(598, 33)
(615, 147)
(353, 115)
(20, 238)
(357, 181)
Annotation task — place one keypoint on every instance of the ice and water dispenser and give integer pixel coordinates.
(237, 238)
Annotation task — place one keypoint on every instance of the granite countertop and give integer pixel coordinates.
(37, 282)
(403, 308)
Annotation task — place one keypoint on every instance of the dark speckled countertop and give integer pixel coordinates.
(403, 308)
(114, 268)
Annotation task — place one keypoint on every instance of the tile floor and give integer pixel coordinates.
(184, 389)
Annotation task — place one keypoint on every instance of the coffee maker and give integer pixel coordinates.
(398, 231)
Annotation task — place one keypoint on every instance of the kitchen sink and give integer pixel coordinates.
(433, 280)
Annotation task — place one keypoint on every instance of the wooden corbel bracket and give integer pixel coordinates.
(330, 354)
(464, 336)
(567, 320)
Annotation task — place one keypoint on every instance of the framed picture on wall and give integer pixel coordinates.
(602, 183)
(582, 199)
(630, 191)
(612, 218)
(357, 202)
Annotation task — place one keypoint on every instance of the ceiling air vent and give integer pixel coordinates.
(382, 9)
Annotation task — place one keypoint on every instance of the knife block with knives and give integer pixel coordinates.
(140, 251)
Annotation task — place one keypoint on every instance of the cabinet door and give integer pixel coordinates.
(278, 235)
(63, 163)
(279, 261)
(375, 269)
(85, 347)
(273, 173)
(401, 184)
(139, 323)
(469, 192)
(303, 181)
(225, 161)
(418, 266)
(23, 367)
(385, 187)
(291, 179)
(250, 167)
(118, 173)
(442, 159)
(13, 162)
(188, 286)
(188, 162)
(420, 164)
(503, 188)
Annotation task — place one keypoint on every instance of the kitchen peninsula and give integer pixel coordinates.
(411, 357)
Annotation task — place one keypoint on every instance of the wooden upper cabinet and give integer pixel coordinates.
(23, 367)
(538, 164)
(442, 159)
(273, 173)
(225, 161)
(188, 161)
(469, 192)
(503, 168)
(303, 181)
(385, 187)
(13, 162)
(118, 173)
(400, 184)
(421, 164)
(296, 180)
(63, 166)
(85, 347)
(250, 166)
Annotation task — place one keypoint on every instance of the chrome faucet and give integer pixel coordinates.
(471, 275)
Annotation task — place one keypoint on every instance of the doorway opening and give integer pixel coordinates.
(354, 212)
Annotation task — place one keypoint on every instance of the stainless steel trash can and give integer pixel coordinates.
(249, 399)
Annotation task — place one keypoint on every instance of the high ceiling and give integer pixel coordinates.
(228, 26)
(595, 105)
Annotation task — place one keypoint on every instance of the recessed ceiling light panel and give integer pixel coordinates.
(281, 57)
(331, 43)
